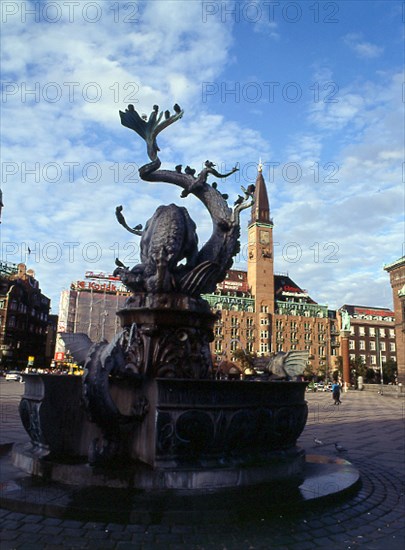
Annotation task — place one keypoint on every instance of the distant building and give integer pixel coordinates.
(51, 335)
(24, 318)
(396, 271)
(90, 307)
(263, 312)
(372, 335)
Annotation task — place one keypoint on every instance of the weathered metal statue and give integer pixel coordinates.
(170, 235)
(167, 326)
(147, 413)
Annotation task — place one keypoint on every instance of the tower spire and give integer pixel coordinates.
(260, 208)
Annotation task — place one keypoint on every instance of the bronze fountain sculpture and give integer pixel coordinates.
(147, 410)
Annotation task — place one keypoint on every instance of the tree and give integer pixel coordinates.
(245, 358)
(370, 376)
(309, 373)
(390, 371)
(359, 366)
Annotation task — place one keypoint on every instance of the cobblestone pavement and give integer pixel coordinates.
(369, 426)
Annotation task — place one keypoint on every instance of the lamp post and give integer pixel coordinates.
(378, 349)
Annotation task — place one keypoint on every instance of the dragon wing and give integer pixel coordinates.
(78, 345)
(295, 362)
(200, 279)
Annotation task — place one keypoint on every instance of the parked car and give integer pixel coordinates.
(14, 376)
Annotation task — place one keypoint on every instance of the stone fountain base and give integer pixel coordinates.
(287, 466)
(195, 435)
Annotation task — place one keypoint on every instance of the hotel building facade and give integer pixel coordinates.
(263, 312)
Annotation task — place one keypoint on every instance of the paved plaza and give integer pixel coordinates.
(368, 426)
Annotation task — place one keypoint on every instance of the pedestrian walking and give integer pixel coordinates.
(336, 392)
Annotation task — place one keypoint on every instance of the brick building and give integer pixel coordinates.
(264, 312)
(24, 318)
(396, 271)
(372, 335)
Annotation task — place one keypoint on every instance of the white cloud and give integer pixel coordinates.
(363, 49)
(163, 58)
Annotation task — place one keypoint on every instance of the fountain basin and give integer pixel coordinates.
(194, 435)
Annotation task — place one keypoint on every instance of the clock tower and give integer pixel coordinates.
(260, 250)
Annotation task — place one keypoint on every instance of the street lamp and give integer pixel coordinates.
(379, 355)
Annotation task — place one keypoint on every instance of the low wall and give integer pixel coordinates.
(387, 389)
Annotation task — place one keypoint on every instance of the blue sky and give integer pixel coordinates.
(314, 89)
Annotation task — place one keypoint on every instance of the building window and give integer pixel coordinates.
(264, 321)
(392, 346)
(218, 331)
(234, 345)
(373, 359)
(279, 324)
(321, 350)
(264, 309)
(382, 346)
(363, 358)
(293, 325)
(372, 346)
(218, 346)
(279, 347)
(264, 348)
(371, 331)
(362, 344)
(351, 344)
(234, 333)
(249, 322)
(362, 331)
(382, 332)
(352, 357)
(249, 346)
(264, 334)
(392, 333)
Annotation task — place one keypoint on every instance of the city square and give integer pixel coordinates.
(371, 518)
(202, 275)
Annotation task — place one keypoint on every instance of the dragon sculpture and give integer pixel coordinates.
(156, 342)
(170, 235)
(283, 365)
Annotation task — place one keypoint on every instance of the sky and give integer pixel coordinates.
(313, 89)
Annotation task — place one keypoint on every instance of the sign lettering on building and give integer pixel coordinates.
(98, 287)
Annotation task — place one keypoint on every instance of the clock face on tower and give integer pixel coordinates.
(264, 237)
